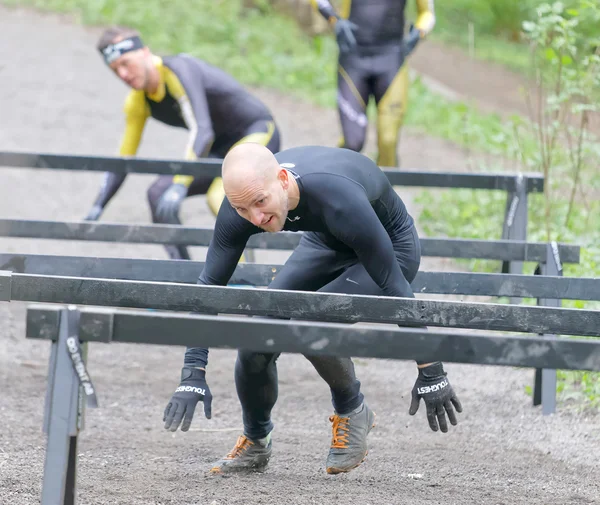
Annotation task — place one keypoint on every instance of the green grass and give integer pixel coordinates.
(478, 26)
(581, 389)
(492, 29)
(488, 48)
(478, 214)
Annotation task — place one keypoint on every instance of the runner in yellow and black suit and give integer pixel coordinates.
(185, 92)
(373, 49)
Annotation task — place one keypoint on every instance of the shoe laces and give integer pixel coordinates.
(243, 443)
(341, 431)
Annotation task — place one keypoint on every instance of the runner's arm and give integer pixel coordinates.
(425, 16)
(350, 218)
(190, 93)
(325, 9)
(136, 113)
(224, 251)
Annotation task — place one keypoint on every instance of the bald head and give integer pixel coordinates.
(256, 186)
(248, 164)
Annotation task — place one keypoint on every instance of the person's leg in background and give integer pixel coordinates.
(156, 190)
(391, 95)
(352, 100)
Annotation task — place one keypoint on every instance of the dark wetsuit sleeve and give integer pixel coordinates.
(186, 85)
(350, 218)
(325, 8)
(136, 113)
(111, 183)
(227, 245)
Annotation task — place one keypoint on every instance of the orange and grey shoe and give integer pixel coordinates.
(246, 456)
(349, 443)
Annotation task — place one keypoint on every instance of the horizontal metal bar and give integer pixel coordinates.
(405, 177)
(184, 271)
(180, 271)
(121, 165)
(511, 285)
(505, 250)
(332, 339)
(303, 305)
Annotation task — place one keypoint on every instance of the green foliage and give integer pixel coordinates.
(500, 18)
(558, 143)
(497, 28)
(579, 388)
(567, 92)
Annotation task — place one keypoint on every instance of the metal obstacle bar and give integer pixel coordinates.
(187, 272)
(505, 250)
(297, 304)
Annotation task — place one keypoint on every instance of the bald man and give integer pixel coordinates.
(359, 239)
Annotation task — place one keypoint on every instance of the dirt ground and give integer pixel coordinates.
(58, 97)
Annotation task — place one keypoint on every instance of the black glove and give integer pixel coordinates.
(411, 40)
(169, 203)
(94, 213)
(438, 395)
(192, 389)
(344, 34)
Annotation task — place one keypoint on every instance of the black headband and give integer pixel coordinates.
(113, 51)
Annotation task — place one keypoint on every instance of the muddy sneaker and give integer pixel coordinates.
(349, 443)
(246, 456)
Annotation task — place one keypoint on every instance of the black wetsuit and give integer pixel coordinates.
(359, 239)
(217, 111)
(375, 68)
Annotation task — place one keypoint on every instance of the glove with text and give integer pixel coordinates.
(433, 386)
(192, 389)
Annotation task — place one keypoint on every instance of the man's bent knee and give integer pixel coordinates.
(255, 362)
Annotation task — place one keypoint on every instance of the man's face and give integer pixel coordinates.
(132, 68)
(262, 202)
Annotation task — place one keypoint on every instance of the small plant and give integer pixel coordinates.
(567, 90)
(555, 139)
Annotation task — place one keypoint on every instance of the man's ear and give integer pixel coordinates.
(283, 177)
(147, 54)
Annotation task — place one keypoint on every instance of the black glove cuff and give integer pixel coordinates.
(434, 370)
(192, 373)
